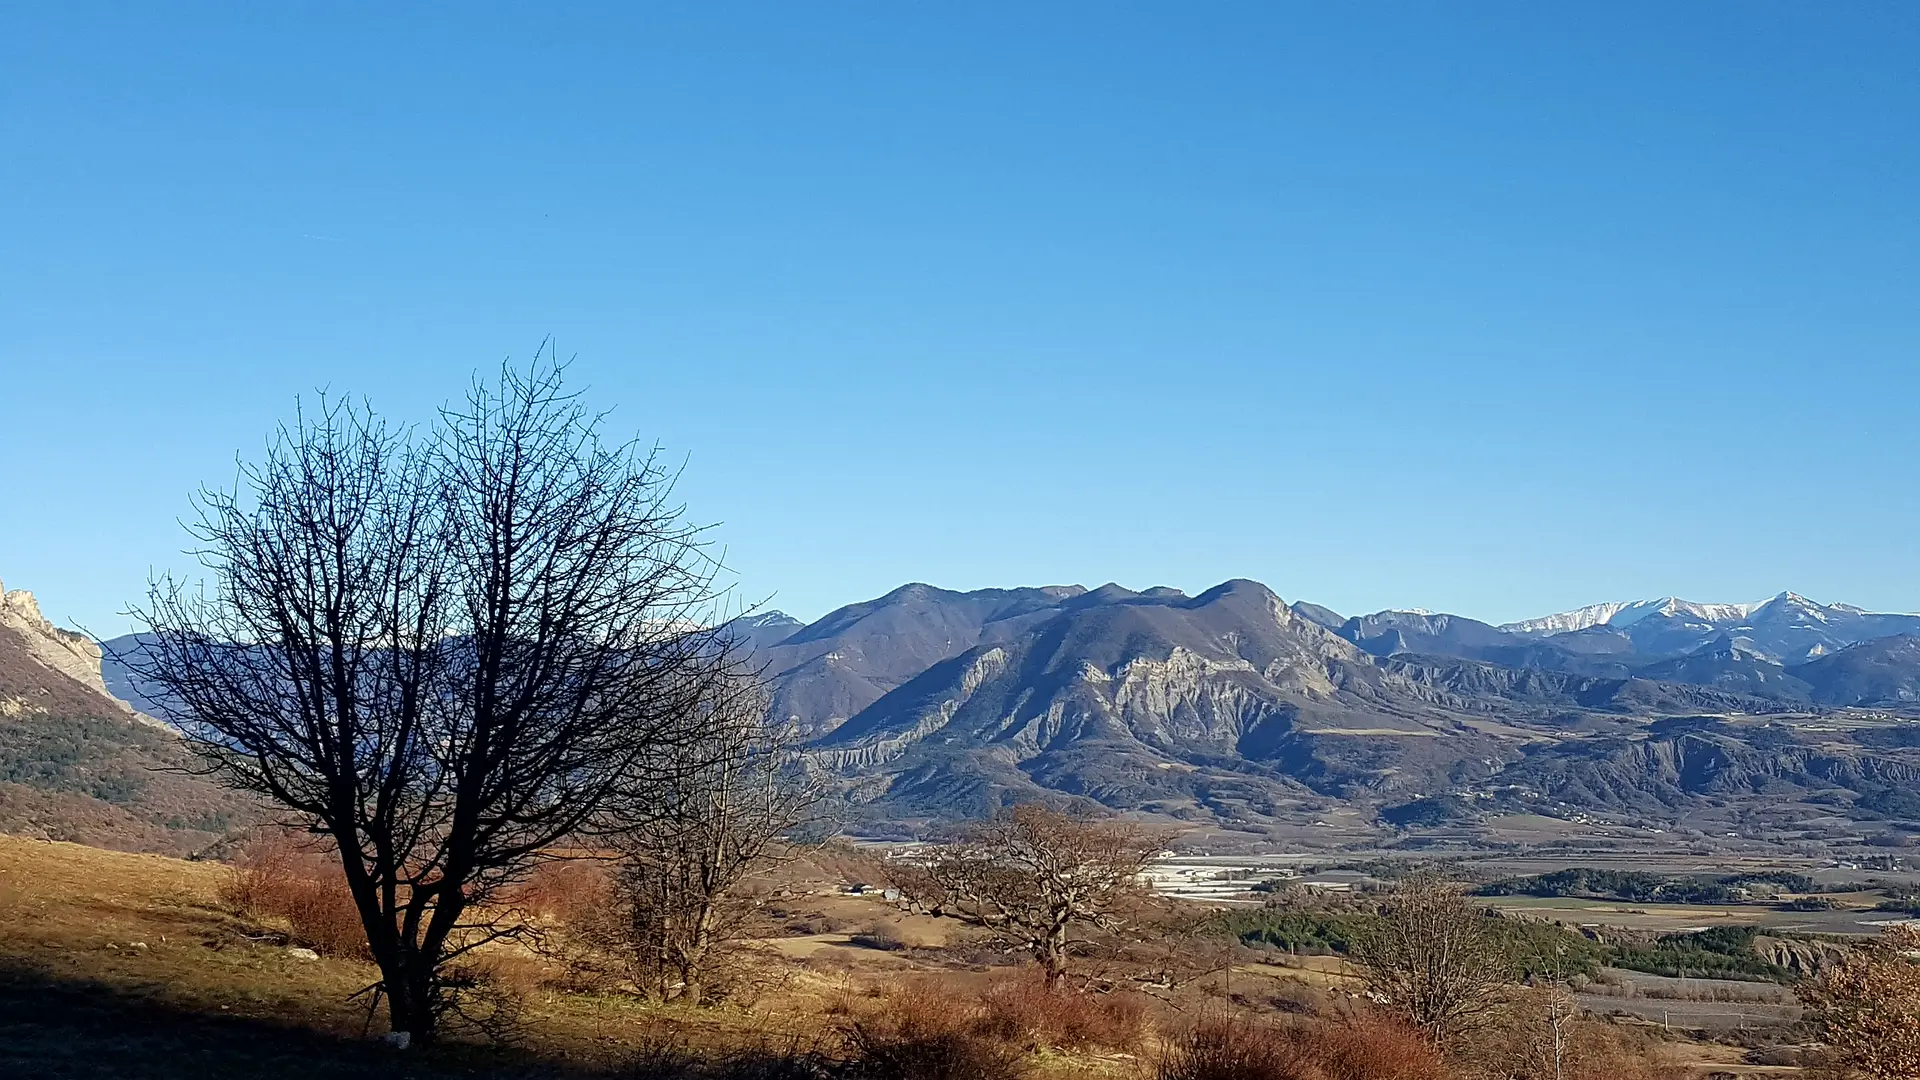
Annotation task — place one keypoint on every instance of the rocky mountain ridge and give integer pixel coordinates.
(43, 667)
(1233, 705)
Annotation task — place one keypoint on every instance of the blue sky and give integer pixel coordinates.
(1491, 308)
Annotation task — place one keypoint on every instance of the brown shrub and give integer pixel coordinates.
(921, 1034)
(925, 1030)
(578, 924)
(282, 876)
(1024, 1012)
(1320, 1050)
(879, 936)
(568, 891)
(1371, 1050)
(1540, 1034)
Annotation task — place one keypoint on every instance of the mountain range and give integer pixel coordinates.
(1237, 708)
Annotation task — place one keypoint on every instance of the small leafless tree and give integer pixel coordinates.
(447, 649)
(1432, 959)
(1031, 875)
(729, 812)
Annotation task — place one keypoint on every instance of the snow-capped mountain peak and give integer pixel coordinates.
(1623, 613)
(1786, 628)
(1578, 619)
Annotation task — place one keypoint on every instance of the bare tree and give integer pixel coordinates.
(1432, 959)
(1031, 875)
(714, 822)
(445, 649)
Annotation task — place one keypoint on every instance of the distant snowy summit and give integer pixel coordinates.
(1786, 627)
(1624, 613)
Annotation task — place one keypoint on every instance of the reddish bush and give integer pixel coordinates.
(567, 892)
(1320, 1050)
(1370, 1051)
(921, 1034)
(284, 877)
(1025, 1012)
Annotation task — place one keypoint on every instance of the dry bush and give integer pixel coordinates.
(1358, 1049)
(576, 923)
(283, 876)
(1432, 959)
(561, 891)
(1024, 1012)
(922, 1034)
(511, 969)
(1539, 1034)
(879, 936)
(1371, 1050)
(1868, 1007)
(1036, 878)
(582, 927)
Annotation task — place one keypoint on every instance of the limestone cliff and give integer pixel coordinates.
(44, 668)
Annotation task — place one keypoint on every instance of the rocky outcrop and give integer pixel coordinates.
(47, 671)
(1804, 957)
(73, 655)
(874, 749)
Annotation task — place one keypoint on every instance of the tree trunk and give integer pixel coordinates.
(410, 1001)
(1054, 956)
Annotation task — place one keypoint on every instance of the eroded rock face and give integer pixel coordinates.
(73, 655)
(1802, 956)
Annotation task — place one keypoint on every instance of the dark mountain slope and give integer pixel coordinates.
(1397, 633)
(1683, 760)
(1725, 664)
(1880, 672)
(1467, 685)
(1324, 617)
(1387, 632)
(830, 670)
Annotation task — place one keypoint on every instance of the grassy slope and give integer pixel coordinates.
(79, 997)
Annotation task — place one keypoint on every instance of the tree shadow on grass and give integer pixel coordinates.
(72, 1028)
